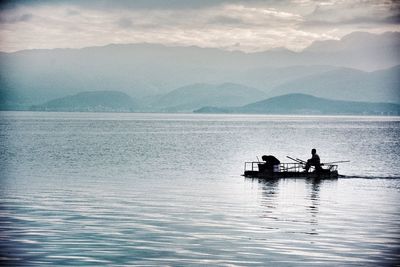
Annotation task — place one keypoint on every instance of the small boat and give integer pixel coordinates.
(289, 170)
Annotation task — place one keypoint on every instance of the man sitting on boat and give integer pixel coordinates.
(271, 164)
(314, 161)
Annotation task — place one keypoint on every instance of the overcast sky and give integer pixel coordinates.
(234, 25)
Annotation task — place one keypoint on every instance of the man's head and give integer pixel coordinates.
(313, 151)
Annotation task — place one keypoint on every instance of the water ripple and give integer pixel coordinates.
(153, 189)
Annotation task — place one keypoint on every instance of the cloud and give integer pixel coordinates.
(125, 22)
(226, 20)
(246, 25)
(25, 17)
(15, 19)
(253, 15)
(395, 19)
(354, 12)
(72, 12)
(133, 4)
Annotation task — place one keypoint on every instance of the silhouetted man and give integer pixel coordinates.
(314, 161)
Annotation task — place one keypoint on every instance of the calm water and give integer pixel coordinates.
(162, 189)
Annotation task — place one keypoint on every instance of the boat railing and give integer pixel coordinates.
(286, 167)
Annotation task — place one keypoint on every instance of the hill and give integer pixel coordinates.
(191, 97)
(307, 104)
(358, 50)
(347, 84)
(90, 101)
(141, 70)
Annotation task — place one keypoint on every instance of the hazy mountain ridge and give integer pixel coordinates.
(354, 41)
(191, 97)
(143, 70)
(90, 101)
(358, 50)
(185, 99)
(109, 101)
(347, 84)
(307, 104)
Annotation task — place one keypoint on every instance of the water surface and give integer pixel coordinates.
(165, 189)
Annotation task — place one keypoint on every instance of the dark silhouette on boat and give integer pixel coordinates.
(272, 168)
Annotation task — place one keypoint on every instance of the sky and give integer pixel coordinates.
(248, 26)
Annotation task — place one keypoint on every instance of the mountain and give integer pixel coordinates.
(347, 84)
(90, 101)
(191, 97)
(307, 104)
(141, 70)
(268, 78)
(358, 50)
(355, 40)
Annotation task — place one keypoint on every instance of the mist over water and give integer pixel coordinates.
(165, 189)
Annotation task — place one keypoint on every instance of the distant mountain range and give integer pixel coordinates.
(104, 101)
(108, 101)
(191, 97)
(347, 84)
(153, 74)
(307, 104)
(185, 99)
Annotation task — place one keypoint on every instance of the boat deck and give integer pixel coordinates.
(289, 170)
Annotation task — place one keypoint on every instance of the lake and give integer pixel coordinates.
(90, 189)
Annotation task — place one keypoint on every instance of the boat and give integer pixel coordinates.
(290, 170)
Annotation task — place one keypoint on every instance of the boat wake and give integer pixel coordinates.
(368, 177)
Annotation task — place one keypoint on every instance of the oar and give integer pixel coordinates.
(297, 160)
(341, 161)
(292, 158)
(302, 161)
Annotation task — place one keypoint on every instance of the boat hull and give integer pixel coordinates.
(305, 175)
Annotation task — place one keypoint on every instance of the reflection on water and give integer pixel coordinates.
(271, 199)
(159, 189)
(325, 220)
(314, 205)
